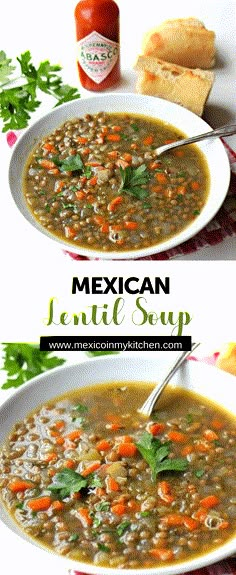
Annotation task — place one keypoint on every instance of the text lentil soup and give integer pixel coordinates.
(90, 478)
(97, 183)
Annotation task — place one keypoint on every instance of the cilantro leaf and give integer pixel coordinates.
(22, 361)
(132, 179)
(156, 454)
(121, 528)
(80, 408)
(67, 482)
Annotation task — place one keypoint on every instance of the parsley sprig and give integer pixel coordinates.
(22, 361)
(156, 454)
(132, 180)
(68, 481)
(19, 95)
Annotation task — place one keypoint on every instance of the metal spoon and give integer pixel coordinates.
(150, 402)
(224, 131)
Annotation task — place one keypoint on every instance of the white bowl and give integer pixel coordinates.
(206, 380)
(177, 116)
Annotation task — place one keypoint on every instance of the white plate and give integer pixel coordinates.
(208, 381)
(177, 116)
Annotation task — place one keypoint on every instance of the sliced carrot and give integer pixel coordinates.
(47, 164)
(75, 434)
(133, 505)
(104, 130)
(92, 181)
(175, 519)
(127, 449)
(210, 501)
(93, 164)
(84, 516)
(148, 140)
(156, 189)
(105, 228)
(49, 147)
(195, 185)
(111, 484)
(113, 426)
(187, 450)
(116, 227)
(169, 141)
(50, 457)
(177, 436)
(70, 464)
(113, 154)
(210, 435)
(116, 128)
(80, 195)
(70, 233)
(217, 424)
(58, 505)
(51, 472)
(59, 424)
(130, 225)
(85, 152)
(127, 157)
(59, 185)
(202, 447)
(99, 491)
(39, 504)
(59, 440)
(224, 525)
(81, 140)
(164, 492)
(162, 554)
(18, 485)
(161, 177)
(179, 153)
(91, 468)
(118, 509)
(155, 428)
(154, 165)
(99, 220)
(54, 433)
(124, 439)
(200, 514)
(103, 445)
(181, 190)
(113, 137)
(114, 203)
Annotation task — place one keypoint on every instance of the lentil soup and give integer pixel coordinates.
(96, 182)
(90, 478)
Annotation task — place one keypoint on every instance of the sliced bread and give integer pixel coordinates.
(184, 86)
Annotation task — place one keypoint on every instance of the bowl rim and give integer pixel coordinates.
(186, 234)
(209, 558)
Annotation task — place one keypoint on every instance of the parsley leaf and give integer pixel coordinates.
(72, 164)
(199, 473)
(132, 179)
(121, 528)
(19, 101)
(67, 482)
(104, 548)
(80, 408)
(156, 455)
(103, 506)
(22, 361)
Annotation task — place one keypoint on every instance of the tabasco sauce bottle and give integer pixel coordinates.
(97, 31)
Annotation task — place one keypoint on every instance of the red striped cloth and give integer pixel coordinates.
(227, 567)
(222, 226)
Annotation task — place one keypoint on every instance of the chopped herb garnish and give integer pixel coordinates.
(181, 174)
(156, 455)
(97, 522)
(67, 482)
(80, 408)
(135, 127)
(217, 443)
(88, 172)
(121, 528)
(72, 164)
(103, 506)
(20, 506)
(145, 513)
(73, 537)
(199, 473)
(95, 481)
(196, 212)
(180, 197)
(104, 548)
(189, 418)
(132, 179)
(146, 205)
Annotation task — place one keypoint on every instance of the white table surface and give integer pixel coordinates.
(48, 31)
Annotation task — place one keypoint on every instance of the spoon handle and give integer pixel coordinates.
(150, 402)
(218, 132)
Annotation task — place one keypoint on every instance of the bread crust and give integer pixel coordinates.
(184, 86)
(184, 41)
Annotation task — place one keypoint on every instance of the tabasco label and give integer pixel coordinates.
(97, 56)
